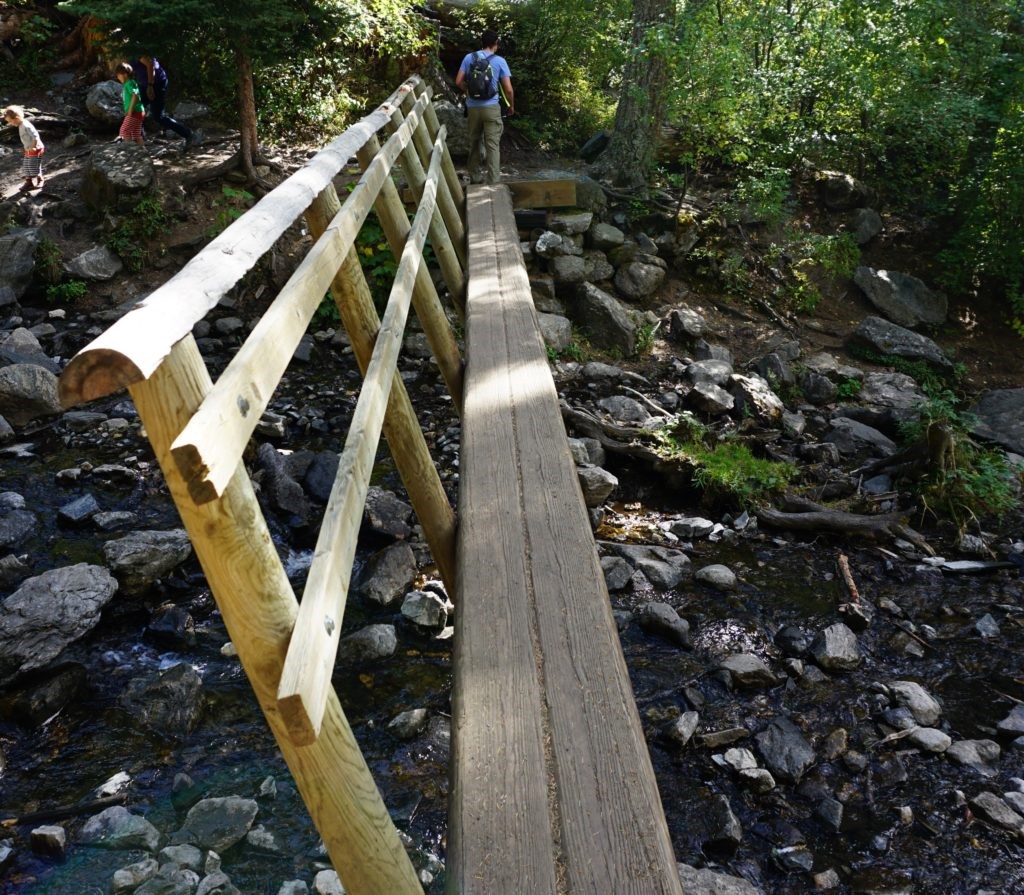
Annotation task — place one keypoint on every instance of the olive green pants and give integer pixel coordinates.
(485, 123)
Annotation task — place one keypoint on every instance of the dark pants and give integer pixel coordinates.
(155, 108)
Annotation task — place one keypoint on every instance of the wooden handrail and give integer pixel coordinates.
(306, 679)
(209, 447)
(447, 165)
(132, 349)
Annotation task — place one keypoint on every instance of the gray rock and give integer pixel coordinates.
(853, 438)
(189, 112)
(387, 574)
(6, 431)
(758, 779)
(605, 236)
(598, 267)
(49, 840)
(47, 613)
(785, 750)
(386, 514)
(774, 369)
(1013, 723)
(604, 319)
(987, 627)
(663, 620)
(568, 271)
(748, 671)
(902, 298)
(129, 878)
(22, 347)
(293, 887)
(187, 856)
(18, 261)
(218, 883)
(707, 351)
(999, 417)
(95, 264)
(638, 280)
(896, 395)
(574, 223)
(552, 245)
(261, 839)
(170, 880)
(978, 755)
(929, 739)
(922, 705)
(369, 643)
(279, 484)
(217, 823)
(597, 484)
(717, 576)
(617, 573)
(993, 808)
(710, 398)
(714, 371)
(169, 703)
(836, 649)
(117, 827)
(683, 728)
(890, 338)
(817, 389)
(425, 609)
(327, 882)
(624, 410)
(685, 323)
(140, 558)
(664, 567)
(16, 527)
(555, 330)
(27, 392)
(116, 176)
(755, 396)
(691, 527)
(707, 882)
(457, 128)
(841, 191)
(722, 831)
(407, 725)
(865, 224)
(79, 510)
(104, 102)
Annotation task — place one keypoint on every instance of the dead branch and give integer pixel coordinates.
(65, 811)
(613, 437)
(851, 585)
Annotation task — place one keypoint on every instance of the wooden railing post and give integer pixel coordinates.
(259, 608)
(401, 428)
(443, 237)
(447, 165)
(423, 143)
(392, 216)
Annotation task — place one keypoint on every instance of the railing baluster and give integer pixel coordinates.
(447, 165)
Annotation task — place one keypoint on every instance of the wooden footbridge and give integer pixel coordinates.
(552, 786)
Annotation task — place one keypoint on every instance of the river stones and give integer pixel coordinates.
(903, 298)
(117, 827)
(596, 484)
(17, 260)
(171, 703)
(785, 750)
(836, 649)
(49, 612)
(217, 823)
(607, 322)
(663, 620)
(979, 755)
(717, 576)
(129, 878)
(28, 391)
(664, 567)
(922, 705)
(369, 643)
(708, 882)
(683, 728)
(140, 558)
(387, 574)
(748, 671)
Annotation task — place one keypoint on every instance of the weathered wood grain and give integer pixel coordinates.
(606, 821)
(543, 193)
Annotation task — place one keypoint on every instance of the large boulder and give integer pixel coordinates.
(556, 331)
(865, 224)
(904, 299)
(171, 703)
(999, 416)
(841, 191)
(18, 259)
(889, 338)
(97, 263)
(604, 318)
(895, 397)
(27, 392)
(117, 827)
(638, 280)
(217, 823)
(140, 558)
(754, 394)
(451, 117)
(22, 347)
(116, 176)
(104, 102)
(49, 612)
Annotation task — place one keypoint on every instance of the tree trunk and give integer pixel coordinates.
(629, 159)
(249, 150)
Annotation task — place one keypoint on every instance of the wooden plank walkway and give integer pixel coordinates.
(553, 790)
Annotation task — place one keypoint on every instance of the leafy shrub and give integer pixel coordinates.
(131, 234)
(70, 291)
(49, 262)
(231, 205)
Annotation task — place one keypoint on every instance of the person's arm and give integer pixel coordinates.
(131, 102)
(150, 77)
(509, 94)
(460, 81)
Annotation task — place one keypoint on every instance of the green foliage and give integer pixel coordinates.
(645, 337)
(326, 313)
(133, 232)
(762, 195)
(231, 205)
(818, 258)
(32, 54)
(72, 290)
(49, 262)
(849, 389)
(932, 381)
(376, 259)
(725, 468)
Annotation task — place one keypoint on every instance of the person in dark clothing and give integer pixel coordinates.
(152, 78)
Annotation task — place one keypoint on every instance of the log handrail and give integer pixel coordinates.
(306, 679)
(209, 447)
(199, 430)
(133, 348)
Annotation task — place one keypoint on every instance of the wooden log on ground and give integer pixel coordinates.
(258, 606)
(137, 344)
(306, 679)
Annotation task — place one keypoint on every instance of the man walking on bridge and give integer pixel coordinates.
(485, 78)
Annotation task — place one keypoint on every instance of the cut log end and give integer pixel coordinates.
(94, 374)
(302, 730)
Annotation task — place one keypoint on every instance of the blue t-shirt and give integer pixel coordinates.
(499, 70)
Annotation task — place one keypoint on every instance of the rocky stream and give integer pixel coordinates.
(824, 713)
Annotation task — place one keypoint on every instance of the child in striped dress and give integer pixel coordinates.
(32, 163)
(134, 110)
